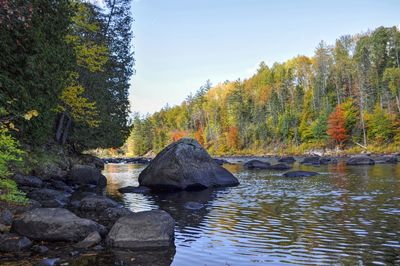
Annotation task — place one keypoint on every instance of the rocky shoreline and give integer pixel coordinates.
(68, 214)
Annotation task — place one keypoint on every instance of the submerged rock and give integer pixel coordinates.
(287, 159)
(149, 229)
(328, 160)
(279, 167)
(132, 189)
(256, 164)
(299, 174)
(86, 175)
(54, 224)
(10, 242)
(192, 205)
(386, 159)
(313, 160)
(185, 165)
(360, 160)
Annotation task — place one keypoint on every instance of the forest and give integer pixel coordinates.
(65, 72)
(346, 97)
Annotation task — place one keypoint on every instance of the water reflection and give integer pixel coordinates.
(345, 215)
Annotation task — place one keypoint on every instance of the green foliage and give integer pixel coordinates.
(380, 126)
(9, 152)
(10, 193)
(289, 103)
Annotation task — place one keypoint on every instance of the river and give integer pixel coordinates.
(345, 215)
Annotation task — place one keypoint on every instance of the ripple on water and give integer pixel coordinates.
(344, 215)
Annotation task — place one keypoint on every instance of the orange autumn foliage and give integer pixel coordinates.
(178, 134)
(336, 126)
(199, 136)
(233, 137)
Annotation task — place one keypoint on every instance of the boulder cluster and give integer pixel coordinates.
(72, 208)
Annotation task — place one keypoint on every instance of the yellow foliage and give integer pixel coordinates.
(78, 106)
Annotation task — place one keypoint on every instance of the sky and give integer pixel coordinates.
(179, 44)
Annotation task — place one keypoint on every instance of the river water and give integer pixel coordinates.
(345, 215)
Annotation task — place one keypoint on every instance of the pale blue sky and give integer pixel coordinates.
(179, 44)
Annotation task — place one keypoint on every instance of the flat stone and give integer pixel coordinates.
(54, 224)
(360, 160)
(256, 164)
(149, 229)
(279, 167)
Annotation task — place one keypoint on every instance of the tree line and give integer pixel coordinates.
(64, 71)
(346, 95)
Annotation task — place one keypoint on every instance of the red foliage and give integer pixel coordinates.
(178, 134)
(336, 126)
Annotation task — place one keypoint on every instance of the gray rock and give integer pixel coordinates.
(185, 165)
(313, 160)
(86, 175)
(192, 205)
(287, 159)
(28, 181)
(256, 164)
(149, 229)
(54, 224)
(10, 242)
(299, 174)
(328, 160)
(110, 215)
(132, 189)
(360, 160)
(40, 249)
(6, 217)
(60, 185)
(96, 203)
(91, 240)
(386, 159)
(279, 167)
(50, 197)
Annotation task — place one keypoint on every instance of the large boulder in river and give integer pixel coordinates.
(148, 229)
(256, 164)
(360, 160)
(185, 165)
(54, 224)
(86, 175)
